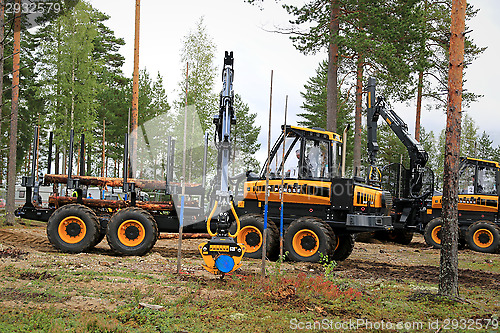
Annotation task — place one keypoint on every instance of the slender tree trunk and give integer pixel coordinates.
(2, 33)
(88, 169)
(448, 274)
(333, 55)
(11, 177)
(103, 148)
(72, 116)
(419, 104)
(56, 162)
(357, 116)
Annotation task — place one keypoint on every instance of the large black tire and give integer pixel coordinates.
(73, 228)
(132, 231)
(432, 233)
(344, 247)
(250, 235)
(308, 238)
(483, 236)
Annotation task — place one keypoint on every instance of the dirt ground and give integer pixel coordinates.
(376, 261)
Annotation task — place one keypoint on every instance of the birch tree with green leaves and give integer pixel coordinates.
(68, 74)
(199, 97)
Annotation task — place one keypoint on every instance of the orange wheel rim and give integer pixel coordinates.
(305, 243)
(435, 234)
(483, 238)
(72, 230)
(251, 237)
(131, 233)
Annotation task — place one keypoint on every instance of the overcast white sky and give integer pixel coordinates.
(239, 27)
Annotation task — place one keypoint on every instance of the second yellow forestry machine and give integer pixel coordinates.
(416, 207)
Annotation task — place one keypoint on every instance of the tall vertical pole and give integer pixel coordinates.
(11, 178)
(183, 183)
(135, 91)
(37, 151)
(266, 207)
(418, 114)
(49, 158)
(82, 155)
(2, 32)
(282, 193)
(103, 147)
(448, 273)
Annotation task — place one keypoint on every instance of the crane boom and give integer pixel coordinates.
(376, 107)
(221, 253)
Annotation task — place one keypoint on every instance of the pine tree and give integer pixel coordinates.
(484, 147)
(431, 66)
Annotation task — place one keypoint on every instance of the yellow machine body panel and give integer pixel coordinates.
(295, 191)
(471, 202)
(309, 192)
(364, 196)
(331, 135)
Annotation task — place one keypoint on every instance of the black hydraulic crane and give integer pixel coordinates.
(376, 107)
(410, 188)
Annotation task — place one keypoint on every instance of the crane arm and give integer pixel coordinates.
(418, 156)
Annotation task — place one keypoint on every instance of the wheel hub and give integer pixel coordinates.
(252, 239)
(132, 232)
(483, 238)
(308, 243)
(73, 229)
(305, 243)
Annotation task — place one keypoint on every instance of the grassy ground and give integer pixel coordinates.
(42, 290)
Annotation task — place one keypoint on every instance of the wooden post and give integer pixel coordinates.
(37, 154)
(103, 148)
(183, 182)
(282, 193)
(448, 273)
(135, 91)
(266, 207)
(11, 177)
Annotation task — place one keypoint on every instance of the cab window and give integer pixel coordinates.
(486, 181)
(315, 162)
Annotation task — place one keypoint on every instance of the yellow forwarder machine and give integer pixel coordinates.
(478, 216)
(322, 210)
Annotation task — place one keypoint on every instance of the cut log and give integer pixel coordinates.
(114, 182)
(113, 204)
